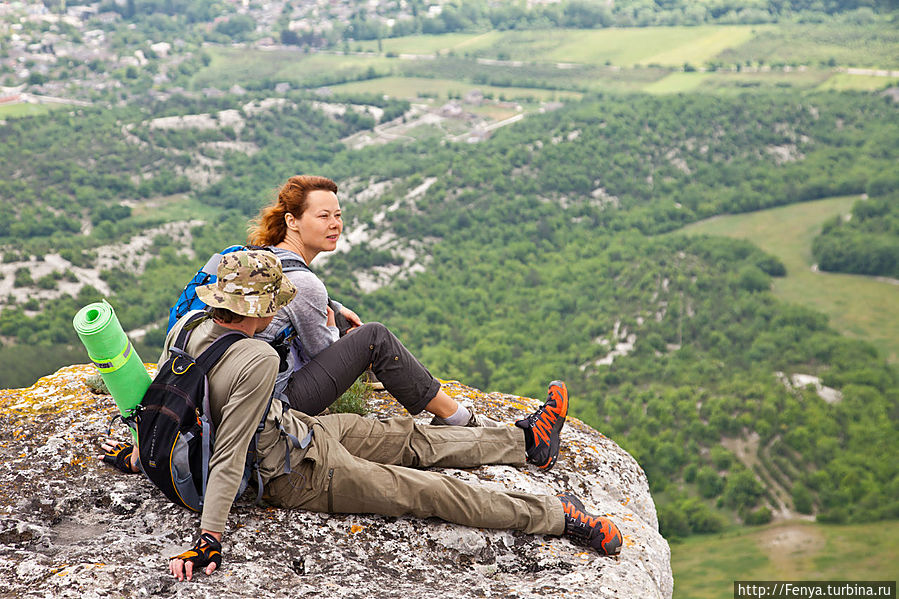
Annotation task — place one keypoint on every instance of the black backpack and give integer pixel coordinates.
(175, 435)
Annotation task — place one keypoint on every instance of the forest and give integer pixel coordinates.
(547, 246)
(366, 23)
(867, 243)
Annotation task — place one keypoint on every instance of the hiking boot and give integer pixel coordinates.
(474, 421)
(372, 380)
(587, 529)
(542, 429)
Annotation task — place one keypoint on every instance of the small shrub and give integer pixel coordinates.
(96, 384)
(756, 517)
(354, 400)
(23, 278)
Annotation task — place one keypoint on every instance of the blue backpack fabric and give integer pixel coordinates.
(188, 299)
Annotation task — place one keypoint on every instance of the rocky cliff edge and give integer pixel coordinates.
(71, 527)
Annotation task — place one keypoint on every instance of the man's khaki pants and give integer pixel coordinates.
(361, 465)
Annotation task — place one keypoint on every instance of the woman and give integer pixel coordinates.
(304, 221)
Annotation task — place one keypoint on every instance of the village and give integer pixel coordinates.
(83, 53)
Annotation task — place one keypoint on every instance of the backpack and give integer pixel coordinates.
(188, 299)
(175, 434)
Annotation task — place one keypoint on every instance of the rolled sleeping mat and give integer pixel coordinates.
(112, 353)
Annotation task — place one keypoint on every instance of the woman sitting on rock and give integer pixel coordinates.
(304, 221)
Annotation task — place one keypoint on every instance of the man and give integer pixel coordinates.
(346, 463)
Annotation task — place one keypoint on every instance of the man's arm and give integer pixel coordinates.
(247, 400)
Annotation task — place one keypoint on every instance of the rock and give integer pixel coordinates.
(72, 527)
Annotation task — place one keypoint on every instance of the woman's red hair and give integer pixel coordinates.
(269, 227)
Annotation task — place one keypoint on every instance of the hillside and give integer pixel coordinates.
(857, 306)
(506, 185)
(528, 257)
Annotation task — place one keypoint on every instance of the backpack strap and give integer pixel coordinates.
(293, 265)
(206, 361)
(287, 264)
(184, 334)
(213, 353)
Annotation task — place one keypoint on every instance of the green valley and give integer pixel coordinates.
(631, 198)
(862, 307)
(705, 567)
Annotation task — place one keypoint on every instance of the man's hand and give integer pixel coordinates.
(330, 320)
(119, 455)
(351, 317)
(206, 553)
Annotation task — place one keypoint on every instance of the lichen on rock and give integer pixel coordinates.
(72, 527)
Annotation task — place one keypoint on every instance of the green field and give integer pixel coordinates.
(245, 65)
(676, 83)
(23, 109)
(858, 306)
(178, 207)
(706, 566)
(413, 87)
(621, 59)
(433, 44)
(672, 46)
(845, 81)
(870, 45)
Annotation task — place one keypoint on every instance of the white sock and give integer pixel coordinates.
(460, 418)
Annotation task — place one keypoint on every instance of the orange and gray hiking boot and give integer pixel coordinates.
(587, 529)
(542, 429)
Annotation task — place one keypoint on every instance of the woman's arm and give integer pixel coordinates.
(308, 313)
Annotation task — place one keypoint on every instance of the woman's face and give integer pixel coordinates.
(320, 225)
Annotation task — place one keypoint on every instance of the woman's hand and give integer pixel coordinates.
(330, 321)
(352, 318)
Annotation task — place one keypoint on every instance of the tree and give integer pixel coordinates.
(709, 483)
(742, 490)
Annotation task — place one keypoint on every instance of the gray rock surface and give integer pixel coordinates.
(71, 527)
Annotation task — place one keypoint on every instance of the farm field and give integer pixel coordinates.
(432, 44)
(706, 566)
(24, 109)
(869, 45)
(846, 81)
(858, 306)
(617, 60)
(246, 65)
(669, 46)
(414, 87)
(676, 83)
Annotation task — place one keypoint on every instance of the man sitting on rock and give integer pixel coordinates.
(346, 463)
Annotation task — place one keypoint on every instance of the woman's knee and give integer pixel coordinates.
(376, 333)
(374, 328)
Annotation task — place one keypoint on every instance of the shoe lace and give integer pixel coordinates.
(580, 524)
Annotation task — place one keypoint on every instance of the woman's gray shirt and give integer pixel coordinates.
(308, 313)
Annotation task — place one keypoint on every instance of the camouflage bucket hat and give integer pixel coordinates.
(250, 283)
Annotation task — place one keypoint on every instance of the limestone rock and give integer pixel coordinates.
(72, 527)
